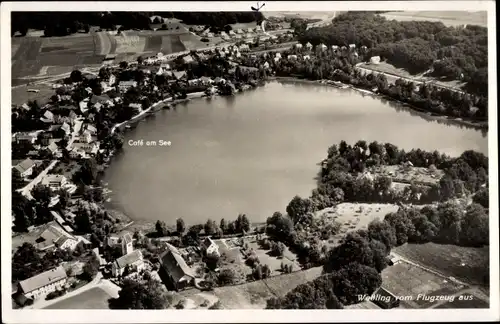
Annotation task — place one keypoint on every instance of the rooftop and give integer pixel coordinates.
(24, 165)
(43, 279)
(174, 263)
(128, 259)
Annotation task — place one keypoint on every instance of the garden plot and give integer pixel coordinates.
(273, 262)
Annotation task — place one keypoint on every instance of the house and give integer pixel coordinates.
(55, 237)
(249, 30)
(125, 85)
(53, 148)
(134, 261)
(292, 57)
(385, 299)
(209, 247)
(309, 45)
(48, 117)
(306, 57)
(137, 106)
(44, 283)
(232, 33)
(83, 149)
(335, 48)
(375, 60)
(25, 138)
(91, 129)
(25, 167)
(322, 47)
(266, 65)
(83, 106)
(352, 46)
(54, 181)
(66, 128)
(298, 46)
(179, 74)
(239, 31)
(124, 240)
(99, 99)
(206, 80)
(178, 274)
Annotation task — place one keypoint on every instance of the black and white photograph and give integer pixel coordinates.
(250, 156)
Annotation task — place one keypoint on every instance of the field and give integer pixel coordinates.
(466, 300)
(449, 18)
(468, 264)
(38, 57)
(94, 298)
(407, 280)
(255, 294)
(355, 216)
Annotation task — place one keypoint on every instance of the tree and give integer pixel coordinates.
(278, 248)
(88, 172)
(298, 208)
(181, 227)
(82, 221)
(26, 262)
(242, 223)
(402, 225)
(279, 227)
(475, 226)
(41, 194)
(227, 276)
(76, 76)
(91, 268)
(137, 295)
(353, 280)
(23, 210)
(482, 197)
(223, 225)
(383, 232)
(161, 228)
(17, 180)
(212, 261)
(210, 227)
(140, 60)
(123, 65)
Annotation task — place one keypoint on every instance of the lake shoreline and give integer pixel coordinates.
(148, 225)
(476, 125)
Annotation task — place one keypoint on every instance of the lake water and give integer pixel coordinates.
(253, 152)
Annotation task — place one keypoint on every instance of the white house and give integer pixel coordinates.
(292, 57)
(352, 46)
(309, 45)
(133, 260)
(44, 283)
(306, 57)
(375, 60)
(322, 47)
(298, 45)
(125, 85)
(25, 167)
(210, 247)
(124, 240)
(54, 181)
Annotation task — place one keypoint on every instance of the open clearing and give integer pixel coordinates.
(449, 18)
(407, 280)
(94, 298)
(354, 216)
(465, 263)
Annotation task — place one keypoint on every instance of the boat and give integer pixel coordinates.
(128, 127)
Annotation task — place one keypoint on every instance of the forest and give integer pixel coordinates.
(418, 46)
(67, 23)
(354, 266)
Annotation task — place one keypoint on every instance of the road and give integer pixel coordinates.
(391, 78)
(27, 189)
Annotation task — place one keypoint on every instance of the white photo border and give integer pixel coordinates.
(233, 316)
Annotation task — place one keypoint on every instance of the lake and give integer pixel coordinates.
(253, 152)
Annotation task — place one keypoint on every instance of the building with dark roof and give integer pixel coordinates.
(177, 274)
(25, 167)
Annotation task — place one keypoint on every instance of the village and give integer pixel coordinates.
(65, 242)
